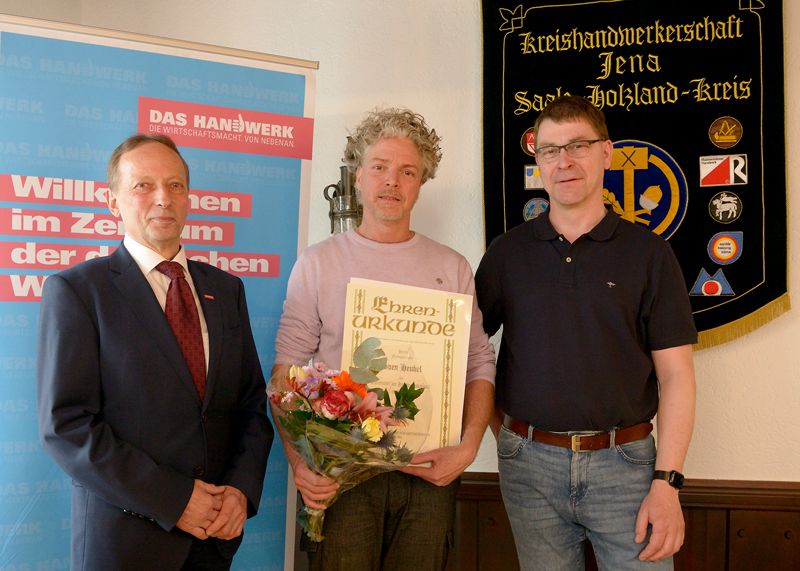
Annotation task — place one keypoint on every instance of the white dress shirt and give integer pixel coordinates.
(147, 260)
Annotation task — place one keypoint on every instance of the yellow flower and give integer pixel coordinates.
(371, 427)
(298, 373)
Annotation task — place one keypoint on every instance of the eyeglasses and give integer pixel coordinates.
(575, 149)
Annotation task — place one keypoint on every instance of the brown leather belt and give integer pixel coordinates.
(580, 442)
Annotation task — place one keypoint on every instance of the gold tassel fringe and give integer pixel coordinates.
(743, 325)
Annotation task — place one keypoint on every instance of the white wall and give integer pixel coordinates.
(426, 55)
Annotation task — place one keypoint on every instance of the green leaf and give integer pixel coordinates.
(404, 401)
(367, 351)
(378, 363)
(363, 376)
(368, 360)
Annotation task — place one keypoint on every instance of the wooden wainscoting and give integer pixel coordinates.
(731, 525)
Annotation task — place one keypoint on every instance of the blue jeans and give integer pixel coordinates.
(556, 498)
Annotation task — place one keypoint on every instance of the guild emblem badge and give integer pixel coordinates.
(534, 207)
(527, 142)
(725, 247)
(645, 185)
(707, 285)
(725, 207)
(723, 170)
(533, 179)
(725, 132)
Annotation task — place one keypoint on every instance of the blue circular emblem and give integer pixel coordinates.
(646, 186)
(534, 207)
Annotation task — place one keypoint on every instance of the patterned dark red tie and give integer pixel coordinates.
(182, 317)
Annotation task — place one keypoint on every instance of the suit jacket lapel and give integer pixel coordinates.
(138, 295)
(206, 292)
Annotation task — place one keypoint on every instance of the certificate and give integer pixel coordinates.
(425, 335)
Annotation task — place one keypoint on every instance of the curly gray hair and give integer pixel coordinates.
(394, 122)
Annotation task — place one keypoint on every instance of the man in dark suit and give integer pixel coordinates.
(167, 447)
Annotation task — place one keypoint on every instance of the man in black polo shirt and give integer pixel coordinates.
(596, 326)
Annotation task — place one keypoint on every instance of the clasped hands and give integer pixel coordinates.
(214, 511)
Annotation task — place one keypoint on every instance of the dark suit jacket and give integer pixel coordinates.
(120, 414)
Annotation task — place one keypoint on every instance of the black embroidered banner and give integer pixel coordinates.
(693, 95)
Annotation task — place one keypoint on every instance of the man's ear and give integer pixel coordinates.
(608, 151)
(357, 182)
(111, 200)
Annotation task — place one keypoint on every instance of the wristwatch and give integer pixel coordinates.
(673, 478)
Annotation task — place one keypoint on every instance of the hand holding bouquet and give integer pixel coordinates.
(339, 426)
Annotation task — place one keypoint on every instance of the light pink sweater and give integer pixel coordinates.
(313, 313)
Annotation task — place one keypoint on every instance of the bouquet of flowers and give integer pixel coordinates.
(342, 428)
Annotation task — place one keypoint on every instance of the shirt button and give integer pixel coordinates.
(198, 471)
(561, 238)
(568, 260)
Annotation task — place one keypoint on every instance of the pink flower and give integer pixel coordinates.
(384, 415)
(334, 404)
(368, 408)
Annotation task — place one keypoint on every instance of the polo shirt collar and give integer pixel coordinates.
(603, 231)
(542, 228)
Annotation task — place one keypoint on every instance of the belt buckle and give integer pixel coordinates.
(576, 443)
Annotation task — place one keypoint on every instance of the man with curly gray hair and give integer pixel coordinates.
(397, 520)
(394, 123)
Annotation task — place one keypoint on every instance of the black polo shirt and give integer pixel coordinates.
(580, 320)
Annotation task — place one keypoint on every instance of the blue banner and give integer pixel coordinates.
(67, 99)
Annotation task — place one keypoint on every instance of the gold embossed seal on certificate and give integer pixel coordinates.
(425, 334)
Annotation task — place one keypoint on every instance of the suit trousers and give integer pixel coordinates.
(204, 556)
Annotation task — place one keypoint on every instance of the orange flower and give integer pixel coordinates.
(346, 383)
